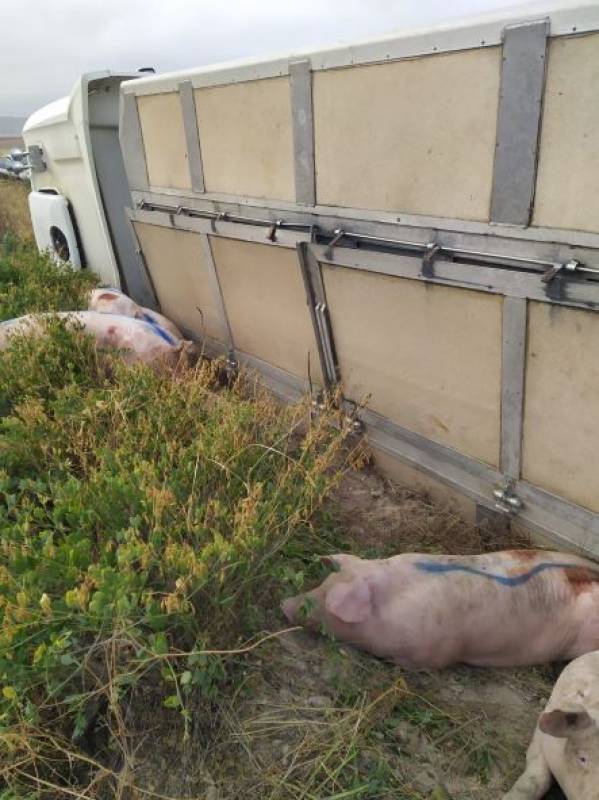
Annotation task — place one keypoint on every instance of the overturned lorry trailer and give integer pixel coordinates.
(415, 218)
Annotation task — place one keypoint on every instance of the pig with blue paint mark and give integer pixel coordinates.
(138, 340)
(505, 609)
(113, 301)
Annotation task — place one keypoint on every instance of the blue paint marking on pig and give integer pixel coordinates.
(160, 331)
(439, 568)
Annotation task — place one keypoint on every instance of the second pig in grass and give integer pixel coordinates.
(422, 611)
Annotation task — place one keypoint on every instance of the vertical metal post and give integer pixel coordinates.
(300, 78)
(192, 136)
(132, 143)
(518, 122)
(219, 301)
(321, 322)
(512, 385)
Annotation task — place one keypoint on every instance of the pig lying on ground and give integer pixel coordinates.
(426, 611)
(139, 340)
(113, 301)
(565, 744)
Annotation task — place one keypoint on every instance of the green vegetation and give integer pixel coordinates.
(14, 209)
(144, 519)
(150, 523)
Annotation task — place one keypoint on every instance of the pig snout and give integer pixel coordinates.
(290, 608)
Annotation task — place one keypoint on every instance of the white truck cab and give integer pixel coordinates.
(79, 186)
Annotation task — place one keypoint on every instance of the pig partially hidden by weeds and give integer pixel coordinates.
(505, 609)
(113, 301)
(565, 744)
(137, 340)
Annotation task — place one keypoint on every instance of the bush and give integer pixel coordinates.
(146, 521)
(30, 281)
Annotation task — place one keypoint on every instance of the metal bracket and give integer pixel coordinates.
(338, 235)
(321, 323)
(272, 231)
(351, 420)
(317, 404)
(571, 266)
(220, 217)
(231, 365)
(506, 499)
(35, 158)
(431, 252)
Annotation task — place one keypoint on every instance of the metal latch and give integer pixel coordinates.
(272, 231)
(351, 421)
(571, 266)
(506, 499)
(35, 158)
(431, 251)
(338, 234)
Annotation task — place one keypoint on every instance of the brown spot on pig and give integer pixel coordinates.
(581, 579)
(525, 555)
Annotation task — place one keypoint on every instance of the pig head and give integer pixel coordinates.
(565, 744)
(113, 301)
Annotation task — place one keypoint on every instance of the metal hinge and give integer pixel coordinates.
(351, 421)
(231, 366)
(506, 499)
(35, 158)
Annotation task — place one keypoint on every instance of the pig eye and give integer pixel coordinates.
(582, 759)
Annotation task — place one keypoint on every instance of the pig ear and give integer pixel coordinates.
(563, 724)
(107, 295)
(349, 600)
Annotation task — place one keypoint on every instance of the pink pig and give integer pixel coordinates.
(139, 340)
(113, 301)
(422, 611)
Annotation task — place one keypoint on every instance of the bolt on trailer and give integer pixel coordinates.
(414, 218)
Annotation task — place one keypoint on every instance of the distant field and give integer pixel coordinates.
(14, 209)
(8, 142)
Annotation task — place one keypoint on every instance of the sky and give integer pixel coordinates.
(49, 43)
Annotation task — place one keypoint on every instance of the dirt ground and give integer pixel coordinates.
(317, 720)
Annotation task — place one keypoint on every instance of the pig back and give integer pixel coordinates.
(499, 609)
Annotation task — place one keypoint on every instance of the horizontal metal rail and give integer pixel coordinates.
(429, 250)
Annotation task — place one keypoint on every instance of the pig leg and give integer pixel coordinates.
(536, 779)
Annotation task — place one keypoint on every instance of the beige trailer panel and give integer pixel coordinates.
(176, 262)
(561, 413)
(266, 304)
(246, 138)
(161, 121)
(428, 357)
(568, 178)
(416, 136)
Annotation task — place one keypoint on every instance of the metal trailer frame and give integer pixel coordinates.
(503, 256)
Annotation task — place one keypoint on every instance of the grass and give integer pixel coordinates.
(14, 210)
(149, 525)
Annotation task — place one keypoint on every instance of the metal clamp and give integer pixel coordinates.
(35, 158)
(222, 216)
(556, 270)
(352, 422)
(272, 231)
(431, 252)
(506, 499)
(231, 365)
(338, 235)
